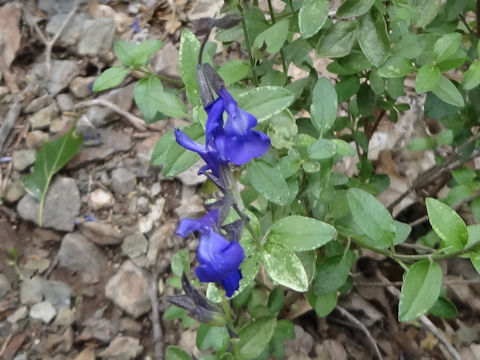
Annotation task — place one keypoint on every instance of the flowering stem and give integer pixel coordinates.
(282, 54)
(226, 310)
(249, 50)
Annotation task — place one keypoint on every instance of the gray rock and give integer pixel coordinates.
(43, 311)
(100, 115)
(97, 35)
(166, 61)
(65, 102)
(36, 139)
(23, 159)
(65, 317)
(38, 104)
(80, 255)
(190, 176)
(57, 293)
(62, 205)
(15, 190)
(97, 330)
(59, 124)
(52, 7)
(134, 245)
(101, 199)
(31, 291)
(143, 204)
(129, 289)
(156, 188)
(81, 87)
(161, 240)
(41, 119)
(19, 314)
(35, 265)
(22, 356)
(104, 234)
(4, 286)
(64, 72)
(122, 348)
(123, 181)
(72, 30)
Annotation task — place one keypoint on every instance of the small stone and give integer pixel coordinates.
(4, 286)
(38, 104)
(36, 139)
(41, 119)
(100, 115)
(65, 317)
(65, 71)
(101, 199)
(104, 234)
(123, 181)
(81, 87)
(19, 314)
(134, 245)
(60, 123)
(190, 176)
(61, 207)
(22, 356)
(52, 7)
(166, 61)
(57, 293)
(36, 265)
(97, 330)
(43, 311)
(122, 348)
(65, 102)
(23, 159)
(97, 35)
(156, 188)
(129, 326)
(31, 291)
(161, 240)
(15, 190)
(143, 205)
(129, 289)
(80, 255)
(72, 30)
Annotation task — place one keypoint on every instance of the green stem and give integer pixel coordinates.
(282, 53)
(226, 310)
(249, 49)
(160, 76)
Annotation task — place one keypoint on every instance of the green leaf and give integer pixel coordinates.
(160, 151)
(373, 37)
(444, 308)
(448, 92)
(251, 345)
(427, 78)
(396, 67)
(180, 262)
(188, 57)
(212, 336)
(282, 130)
(402, 231)
(170, 104)
(447, 224)
(420, 289)
(446, 46)
(471, 79)
(273, 37)
(142, 52)
(265, 101)
(324, 105)
(176, 353)
(332, 273)
(427, 11)
(284, 267)
(351, 8)
(337, 40)
(419, 144)
(312, 17)
(145, 94)
(268, 181)
(123, 51)
(234, 71)
(343, 148)
(110, 78)
(322, 149)
(51, 157)
(371, 216)
(301, 233)
(323, 304)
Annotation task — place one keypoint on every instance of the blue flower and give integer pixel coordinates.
(219, 259)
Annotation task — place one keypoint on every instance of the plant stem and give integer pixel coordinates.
(226, 310)
(249, 49)
(282, 53)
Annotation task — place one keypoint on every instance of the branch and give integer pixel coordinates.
(8, 123)
(362, 327)
(135, 121)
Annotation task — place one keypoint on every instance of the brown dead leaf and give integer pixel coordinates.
(13, 345)
(429, 342)
(87, 354)
(9, 41)
(99, 11)
(172, 23)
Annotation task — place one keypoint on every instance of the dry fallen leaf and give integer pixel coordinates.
(9, 41)
(99, 11)
(87, 354)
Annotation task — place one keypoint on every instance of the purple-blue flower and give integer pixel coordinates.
(219, 259)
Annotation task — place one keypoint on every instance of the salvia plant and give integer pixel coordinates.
(281, 223)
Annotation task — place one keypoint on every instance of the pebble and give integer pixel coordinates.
(80, 255)
(143, 205)
(42, 118)
(72, 30)
(134, 245)
(36, 139)
(60, 123)
(156, 188)
(19, 314)
(65, 317)
(57, 293)
(166, 61)
(97, 36)
(22, 356)
(97, 330)
(190, 176)
(31, 291)
(101, 233)
(65, 71)
(129, 289)
(123, 181)
(162, 239)
(43, 311)
(5, 286)
(23, 159)
(81, 87)
(101, 199)
(38, 104)
(14, 191)
(35, 265)
(52, 7)
(122, 347)
(61, 208)
(65, 102)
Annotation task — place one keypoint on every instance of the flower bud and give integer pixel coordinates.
(205, 93)
(228, 21)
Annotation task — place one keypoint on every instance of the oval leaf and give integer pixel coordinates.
(337, 40)
(420, 290)
(448, 92)
(446, 46)
(471, 79)
(145, 93)
(322, 149)
(188, 57)
(354, 7)
(177, 353)
(396, 67)
(373, 37)
(312, 16)
(273, 37)
(268, 181)
(110, 78)
(250, 345)
(324, 105)
(332, 273)
(427, 78)
(266, 101)
(301, 233)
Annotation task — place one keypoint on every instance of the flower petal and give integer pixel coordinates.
(214, 120)
(232, 282)
(202, 225)
(241, 150)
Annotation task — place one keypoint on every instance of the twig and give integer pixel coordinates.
(424, 320)
(135, 121)
(362, 327)
(157, 327)
(464, 21)
(247, 44)
(8, 123)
